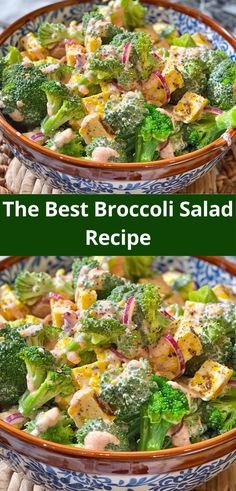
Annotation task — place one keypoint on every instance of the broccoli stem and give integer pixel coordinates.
(145, 150)
(227, 119)
(153, 436)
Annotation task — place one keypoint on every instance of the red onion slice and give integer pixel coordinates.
(213, 110)
(163, 145)
(177, 429)
(164, 85)
(232, 383)
(129, 310)
(38, 137)
(158, 57)
(69, 321)
(15, 419)
(118, 354)
(117, 86)
(167, 315)
(173, 343)
(126, 53)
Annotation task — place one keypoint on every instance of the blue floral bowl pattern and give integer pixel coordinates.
(148, 183)
(56, 478)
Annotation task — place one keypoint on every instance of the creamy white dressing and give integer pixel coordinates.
(98, 440)
(103, 154)
(30, 330)
(182, 437)
(16, 116)
(63, 138)
(168, 151)
(46, 420)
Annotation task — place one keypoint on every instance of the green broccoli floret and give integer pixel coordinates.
(195, 78)
(221, 85)
(204, 295)
(104, 64)
(124, 114)
(21, 92)
(136, 267)
(234, 357)
(155, 129)
(216, 344)
(74, 148)
(166, 407)
(70, 108)
(46, 336)
(185, 41)
(60, 73)
(146, 315)
(202, 132)
(38, 360)
(132, 13)
(118, 431)
(105, 29)
(101, 331)
(129, 343)
(117, 146)
(227, 119)
(58, 382)
(107, 281)
(125, 391)
(13, 56)
(178, 141)
(62, 432)
(30, 286)
(56, 92)
(220, 413)
(127, 78)
(12, 369)
(51, 34)
(212, 58)
(195, 426)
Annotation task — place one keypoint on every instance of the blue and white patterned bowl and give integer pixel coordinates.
(72, 175)
(63, 468)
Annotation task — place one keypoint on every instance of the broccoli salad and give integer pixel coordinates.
(114, 356)
(115, 88)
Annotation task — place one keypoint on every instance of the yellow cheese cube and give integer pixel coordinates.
(189, 107)
(188, 342)
(10, 307)
(85, 298)
(58, 308)
(224, 293)
(173, 78)
(96, 103)
(33, 47)
(92, 43)
(193, 313)
(202, 40)
(73, 48)
(84, 406)
(92, 127)
(89, 375)
(210, 379)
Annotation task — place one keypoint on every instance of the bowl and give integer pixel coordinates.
(59, 467)
(73, 175)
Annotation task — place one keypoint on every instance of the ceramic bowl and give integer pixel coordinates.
(68, 469)
(72, 175)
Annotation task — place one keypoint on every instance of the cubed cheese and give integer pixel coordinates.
(89, 375)
(188, 342)
(84, 406)
(173, 78)
(10, 307)
(92, 43)
(73, 49)
(189, 107)
(210, 379)
(85, 298)
(58, 308)
(92, 127)
(224, 293)
(193, 313)
(96, 103)
(33, 47)
(202, 40)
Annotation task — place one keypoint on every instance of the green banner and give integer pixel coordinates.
(124, 225)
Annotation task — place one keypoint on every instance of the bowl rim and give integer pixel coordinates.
(74, 162)
(186, 450)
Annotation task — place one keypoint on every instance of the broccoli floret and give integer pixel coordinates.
(127, 78)
(136, 267)
(166, 407)
(220, 414)
(202, 132)
(140, 57)
(195, 426)
(204, 295)
(129, 343)
(195, 78)
(178, 141)
(46, 336)
(21, 92)
(118, 431)
(93, 26)
(60, 73)
(101, 331)
(70, 108)
(221, 85)
(124, 114)
(74, 148)
(56, 92)
(185, 41)
(58, 382)
(212, 58)
(62, 432)
(117, 146)
(104, 64)
(30, 286)
(37, 360)
(155, 129)
(145, 315)
(131, 13)
(107, 281)
(125, 391)
(216, 344)
(13, 56)
(234, 357)
(51, 34)
(226, 120)
(12, 368)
